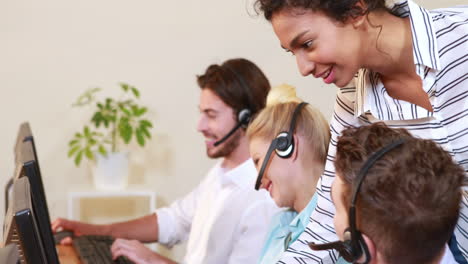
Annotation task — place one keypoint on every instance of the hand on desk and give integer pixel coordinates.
(137, 252)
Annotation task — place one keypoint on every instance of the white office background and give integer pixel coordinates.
(53, 50)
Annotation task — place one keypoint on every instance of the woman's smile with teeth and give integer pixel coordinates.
(325, 75)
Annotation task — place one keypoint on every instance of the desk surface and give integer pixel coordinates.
(67, 255)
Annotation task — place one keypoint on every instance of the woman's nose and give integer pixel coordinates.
(306, 66)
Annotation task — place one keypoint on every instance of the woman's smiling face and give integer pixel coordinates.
(278, 177)
(324, 47)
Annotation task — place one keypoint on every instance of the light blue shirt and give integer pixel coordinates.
(286, 226)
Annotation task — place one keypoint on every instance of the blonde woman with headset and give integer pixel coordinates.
(288, 144)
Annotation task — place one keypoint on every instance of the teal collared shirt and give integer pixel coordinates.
(286, 226)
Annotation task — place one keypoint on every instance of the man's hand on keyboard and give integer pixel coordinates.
(137, 252)
(78, 228)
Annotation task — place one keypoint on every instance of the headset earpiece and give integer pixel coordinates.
(244, 117)
(352, 247)
(284, 146)
(360, 247)
(285, 143)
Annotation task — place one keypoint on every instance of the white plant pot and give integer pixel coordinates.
(111, 173)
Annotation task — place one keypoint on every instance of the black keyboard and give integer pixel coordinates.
(96, 249)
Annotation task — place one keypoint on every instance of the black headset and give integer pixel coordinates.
(244, 115)
(283, 144)
(353, 246)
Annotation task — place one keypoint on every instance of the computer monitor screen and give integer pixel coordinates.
(21, 227)
(30, 169)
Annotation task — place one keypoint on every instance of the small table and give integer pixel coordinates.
(110, 204)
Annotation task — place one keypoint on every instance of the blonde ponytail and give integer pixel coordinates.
(281, 94)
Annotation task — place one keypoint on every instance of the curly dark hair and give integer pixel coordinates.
(238, 82)
(340, 10)
(409, 201)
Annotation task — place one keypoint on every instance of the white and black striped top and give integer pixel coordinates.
(440, 49)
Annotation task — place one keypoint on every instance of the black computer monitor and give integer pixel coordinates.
(9, 254)
(27, 167)
(21, 227)
(24, 134)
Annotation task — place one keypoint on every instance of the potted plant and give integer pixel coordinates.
(115, 121)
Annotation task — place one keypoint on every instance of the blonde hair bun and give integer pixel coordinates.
(281, 94)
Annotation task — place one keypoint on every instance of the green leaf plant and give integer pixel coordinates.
(114, 121)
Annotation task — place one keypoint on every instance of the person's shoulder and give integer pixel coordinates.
(263, 210)
(450, 21)
(447, 12)
(248, 166)
(211, 176)
(260, 200)
(450, 27)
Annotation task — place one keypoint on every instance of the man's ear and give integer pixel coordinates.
(372, 249)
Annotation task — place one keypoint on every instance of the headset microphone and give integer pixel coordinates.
(243, 120)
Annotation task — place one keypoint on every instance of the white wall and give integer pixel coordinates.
(52, 50)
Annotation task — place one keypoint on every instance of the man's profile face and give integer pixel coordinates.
(341, 213)
(216, 120)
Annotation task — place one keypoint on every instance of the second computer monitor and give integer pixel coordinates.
(21, 228)
(28, 167)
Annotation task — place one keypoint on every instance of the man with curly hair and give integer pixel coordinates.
(404, 192)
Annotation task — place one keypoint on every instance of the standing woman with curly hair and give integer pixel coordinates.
(400, 64)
